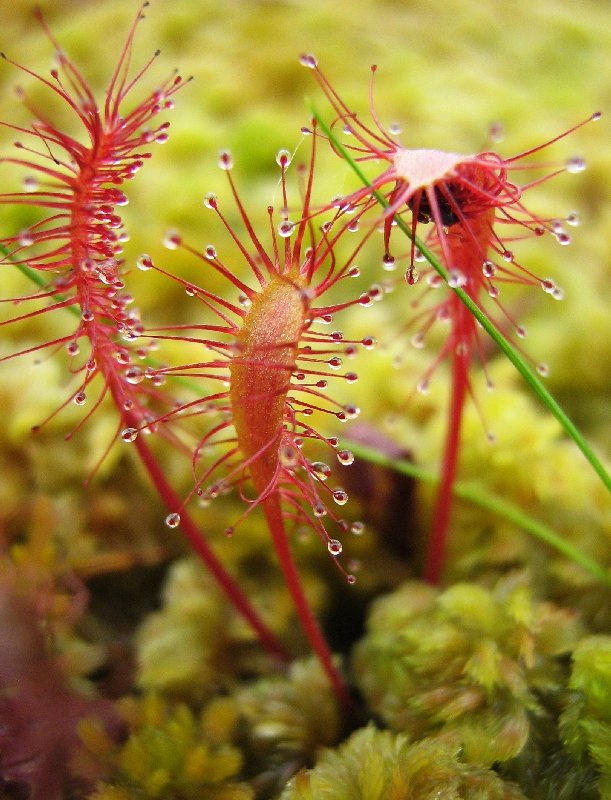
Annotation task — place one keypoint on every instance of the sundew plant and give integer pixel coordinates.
(302, 414)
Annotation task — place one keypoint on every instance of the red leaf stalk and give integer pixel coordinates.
(269, 351)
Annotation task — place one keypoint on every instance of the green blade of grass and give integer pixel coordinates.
(531, 378)
(37, 279)
(492, 503)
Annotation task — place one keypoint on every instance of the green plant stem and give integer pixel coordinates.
(504, 344)
(489, 502)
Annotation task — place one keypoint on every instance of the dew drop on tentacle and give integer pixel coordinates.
(288, 455)
(352, 411)
(172, 520)
(456, 278)
(575, 164)
(308, 60)
(129, 435)
(285, 228)
(80, 398)
(340, 496)
(210, 200)
(172, 239)
(543, 369)
(345, 457)
(144, 263)
(489, 269)
(417, 340)
(283, 158)
(411, 276)
(334, 546)
(320, 470)
(134, 375)
(357, 528)
(225, 160)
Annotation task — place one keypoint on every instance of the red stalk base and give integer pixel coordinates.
(310, 626)
(443, 502)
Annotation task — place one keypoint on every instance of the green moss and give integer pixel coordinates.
(585, 725)
(170, 753)
(467, 663)
(379, 765)
(284, 721)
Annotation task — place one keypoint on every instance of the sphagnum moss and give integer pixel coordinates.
(380, 765)
(171, 753)
(467, 663)
(585, 724)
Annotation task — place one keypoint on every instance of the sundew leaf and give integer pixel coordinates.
(504, 344)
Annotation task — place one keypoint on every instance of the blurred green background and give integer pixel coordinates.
(446, 72)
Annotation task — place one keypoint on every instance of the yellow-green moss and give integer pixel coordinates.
(380, 765)
(466, 662)
(170, 753)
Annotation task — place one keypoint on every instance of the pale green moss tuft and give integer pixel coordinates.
(467, 663)
(380, 765)
(180, 647)
(286, 720)
(585, 725)
(171, 754)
